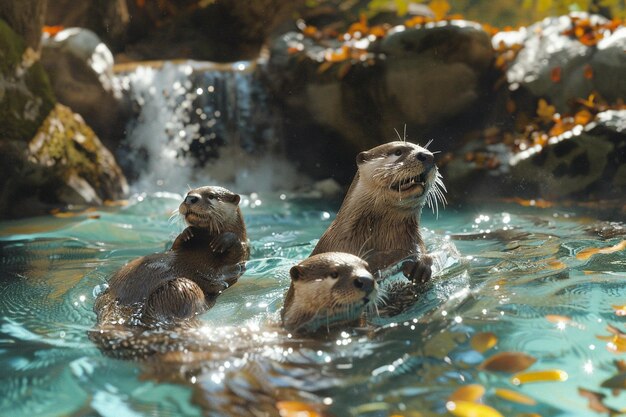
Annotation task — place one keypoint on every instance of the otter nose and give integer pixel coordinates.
(364, 283)
(191, 199)
(426, 158)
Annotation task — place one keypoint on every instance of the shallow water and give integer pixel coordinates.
(522, 274)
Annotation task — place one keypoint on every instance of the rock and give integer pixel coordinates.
(585, 164)
(25, 94)
(65, 163)
(559, 66)
(80, 67)
(432, 79)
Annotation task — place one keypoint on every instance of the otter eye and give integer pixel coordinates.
(398, 152)
(212, 196)
(334, 274)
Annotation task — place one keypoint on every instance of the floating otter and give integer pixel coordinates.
(379, 218)
(328, 290)
(206, 258)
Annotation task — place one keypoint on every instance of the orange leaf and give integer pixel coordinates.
(588, 72)
(471, 393)
(296, 409)
(555, 74)
(52, 30)
(482, 342)
(589, 252)
(583, 117)
(337, 56)
(507, 362)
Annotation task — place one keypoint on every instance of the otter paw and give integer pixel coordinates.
(186, 235)
(419, 272)
(223, 242)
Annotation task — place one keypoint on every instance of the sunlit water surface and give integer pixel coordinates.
(518, 276)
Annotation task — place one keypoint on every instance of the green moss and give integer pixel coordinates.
(25, 99)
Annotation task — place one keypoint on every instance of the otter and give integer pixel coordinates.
(379, 218)
(328, 290)
(170, 287)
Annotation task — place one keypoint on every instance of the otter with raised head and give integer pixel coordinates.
(379, 218)
(205, 259)
(327, 291)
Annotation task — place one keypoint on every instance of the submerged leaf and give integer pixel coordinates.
(471, 393)
(510, 362)
(616, 382)
(585, 254)
(296, 409)
(550, 375)
(470, 409)
(515, 397)
(482, 342)
(596, 401)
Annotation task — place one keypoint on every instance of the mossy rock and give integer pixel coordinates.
(26, 96)
(65, 163)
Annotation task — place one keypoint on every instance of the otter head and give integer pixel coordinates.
(401, 173)
(328, 290)
(213, 208)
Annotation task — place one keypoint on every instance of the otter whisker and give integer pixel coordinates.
(174, 217)
(397, 133)
(428, 144)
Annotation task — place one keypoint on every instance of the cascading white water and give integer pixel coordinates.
(201, 123)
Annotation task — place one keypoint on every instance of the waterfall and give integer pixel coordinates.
(203, 123)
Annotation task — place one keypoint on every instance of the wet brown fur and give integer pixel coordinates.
(205, 259)
(376, 222)
(330, 288)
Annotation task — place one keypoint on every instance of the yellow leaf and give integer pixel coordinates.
(545, 111)
(482, 342)
(471, 393)
(440, 8)
(515, 397)
(470, 409)
(539, 376)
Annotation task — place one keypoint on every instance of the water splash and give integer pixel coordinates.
(199, 123)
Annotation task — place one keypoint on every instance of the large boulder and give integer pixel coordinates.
(64, 163)
(583, 164)
(80, 67)
(350, 96)
(25, 94)
(568, 57)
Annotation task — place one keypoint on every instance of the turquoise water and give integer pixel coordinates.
(516, 275)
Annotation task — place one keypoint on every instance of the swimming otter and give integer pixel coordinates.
(328, 290)
(380, 216)
(205, 259)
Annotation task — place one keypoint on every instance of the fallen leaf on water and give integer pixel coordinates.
(296, 409)
(583, 117)
(620, 365)
(550, 375)
(482, 342)
(510, 362)
(440, 8)
(588, 72)
(515, 397)
(620, 310)
(589, 252)
(470, 409)
(616, 382)
(469, 393)
(596, 401)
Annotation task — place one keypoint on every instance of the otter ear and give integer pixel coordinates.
(295, 272)
(233, 198)
(363, 157)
